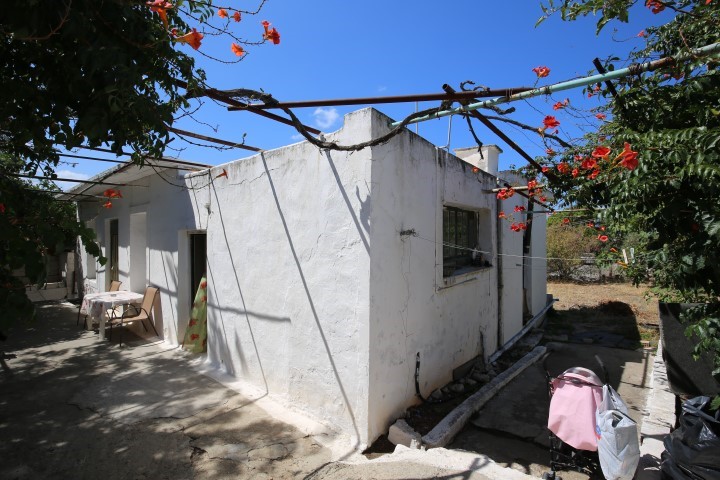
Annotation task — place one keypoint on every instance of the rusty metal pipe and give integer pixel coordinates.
(504, 92)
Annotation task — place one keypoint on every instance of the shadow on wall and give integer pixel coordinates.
(223, 333)
(311, 303)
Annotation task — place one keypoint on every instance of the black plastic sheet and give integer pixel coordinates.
(692, 451)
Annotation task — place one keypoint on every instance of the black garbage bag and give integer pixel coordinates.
(692, 451)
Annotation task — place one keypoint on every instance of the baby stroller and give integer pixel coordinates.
(585, 413)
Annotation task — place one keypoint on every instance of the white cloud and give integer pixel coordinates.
(297, 137)
(325, 117)
(381, 88)
(69, 174)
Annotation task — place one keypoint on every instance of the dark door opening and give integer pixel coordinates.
(114, 252)
(198, 261)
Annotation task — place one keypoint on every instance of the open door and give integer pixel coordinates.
(198, 261)
(114, 257)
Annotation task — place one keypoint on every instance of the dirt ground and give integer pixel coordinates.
(616, 308)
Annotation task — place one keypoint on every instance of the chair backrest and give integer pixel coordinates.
(149, 299)
(114, 286)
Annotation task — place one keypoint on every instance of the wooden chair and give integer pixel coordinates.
(114, 287)
(132, 313)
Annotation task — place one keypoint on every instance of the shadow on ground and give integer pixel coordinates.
(511, 428)
(72, 406)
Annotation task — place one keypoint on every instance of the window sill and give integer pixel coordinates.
(463, 275)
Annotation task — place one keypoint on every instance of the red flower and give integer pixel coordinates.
(603, 238)
(237, 49)
(112, 193)
(545, 169)
(588, 163)
(236, 16)
(475, 170)
(532, 184)
(566, 221)
(271, 35)
(505, 193)
(601, 152)
(642, 34)
(602, 228)
(541, 72)
(543, 199)
(107, 204)
(222, 13)
(550, 151)
(191, 38)
(600, 116)
(563, 167)
(514, 227)
(274, 36)
(501, 215)
(519, 208)
(591, 225)
(594, 174)
(550, 122)
(629, 158)
(160, 7)
(575, 172)
(655, 6)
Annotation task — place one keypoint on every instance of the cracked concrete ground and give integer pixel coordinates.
(72, 406)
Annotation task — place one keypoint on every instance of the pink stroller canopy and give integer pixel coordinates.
(575, 397)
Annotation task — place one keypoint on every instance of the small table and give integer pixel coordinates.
(96, 305)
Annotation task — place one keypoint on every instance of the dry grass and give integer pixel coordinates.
(619, 308)
(572, 295)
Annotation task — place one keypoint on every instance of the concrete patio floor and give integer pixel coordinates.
(73, 406)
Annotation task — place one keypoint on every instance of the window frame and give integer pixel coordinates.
(461, 227)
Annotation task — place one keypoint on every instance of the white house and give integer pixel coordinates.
(329, 272)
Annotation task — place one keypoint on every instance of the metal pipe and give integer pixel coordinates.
(164, 159)
(60, 179)
(219, 96)
(634, 69)
(421, 97)
(214, 140)
(493, 128)
(129, 162)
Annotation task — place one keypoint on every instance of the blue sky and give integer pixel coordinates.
(334, 49)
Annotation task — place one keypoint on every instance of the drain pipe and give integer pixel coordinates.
(530, 325)
(499, 262)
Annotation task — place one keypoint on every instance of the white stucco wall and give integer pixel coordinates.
(288, 274)
(412, 308)
(165, 208)
(511, 248)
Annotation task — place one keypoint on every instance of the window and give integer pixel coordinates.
(460, 242)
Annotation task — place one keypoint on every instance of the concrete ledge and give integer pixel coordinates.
(658, 419)
(445, 431)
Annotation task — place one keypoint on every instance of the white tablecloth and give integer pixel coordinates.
(96, 305)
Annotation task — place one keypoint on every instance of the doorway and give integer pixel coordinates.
(114, 256)
(198, 262)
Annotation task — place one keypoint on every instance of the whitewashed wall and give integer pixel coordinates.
(157, 210)
(412, 308)
(288, 274)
